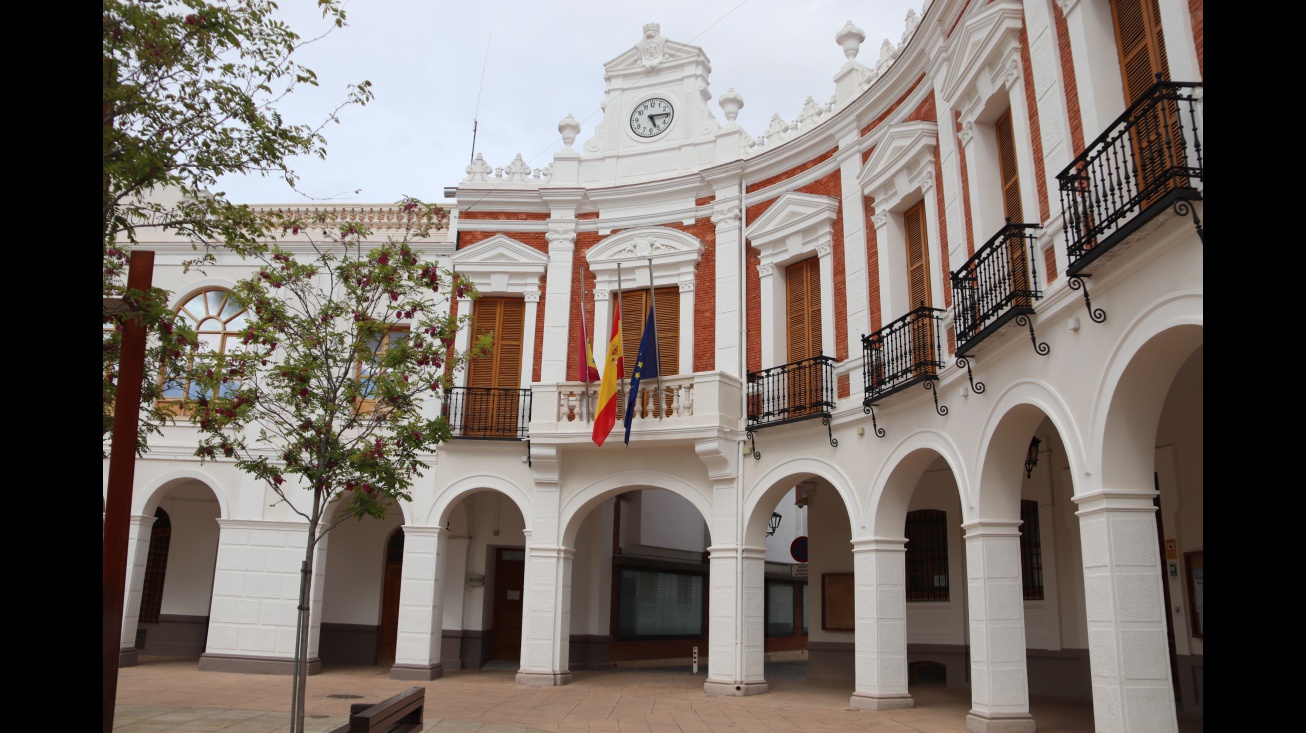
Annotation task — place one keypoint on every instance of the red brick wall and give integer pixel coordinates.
(1195, 11)
(965, 189)
(897, 103)
(872, 267)
(1068, 78)
(943, 230)
(790, 173)
(503, 215)
(1050, 262)
(584, 240)
(1031, 103)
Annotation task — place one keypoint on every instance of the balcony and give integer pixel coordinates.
(800, 390)
(1143, 164)
(996, 287)
(904, 353)
(488, 413)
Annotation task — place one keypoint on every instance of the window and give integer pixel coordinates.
(367, 371)
(156, 565)
(653, 603)
(918, 257)
(634, 312)
(492, 405)
(1017, 261)
(803, 308)
(927, 555)
(217, 319)
(1031, 551)
(779, 608)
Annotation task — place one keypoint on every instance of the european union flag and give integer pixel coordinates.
(646, 365)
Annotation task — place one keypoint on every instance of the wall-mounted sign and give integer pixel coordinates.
(1171, 550)
(799, 549)
(798, 571)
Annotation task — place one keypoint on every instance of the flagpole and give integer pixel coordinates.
(584, 335)
(657, 350)
(621, 373)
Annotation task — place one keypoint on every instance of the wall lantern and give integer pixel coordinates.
(1031, 457)
(774, 523)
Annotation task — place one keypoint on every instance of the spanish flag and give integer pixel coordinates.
(613, 368)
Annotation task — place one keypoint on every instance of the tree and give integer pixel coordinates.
(329, 399)
(190, 94)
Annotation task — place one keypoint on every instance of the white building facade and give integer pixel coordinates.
(946, 329)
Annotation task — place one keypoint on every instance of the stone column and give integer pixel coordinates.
(255, 596)
(546, 616)
(557, 304)
(736, 632)
(1128, 649)
(999, 680)
(729, 283)
(880, 657)
(421, 617)
(138, 551)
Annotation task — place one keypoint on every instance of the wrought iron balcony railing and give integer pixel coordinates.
(1145, 162)
(488, 413)
(800, 390)
(907, 351)
(997, 285)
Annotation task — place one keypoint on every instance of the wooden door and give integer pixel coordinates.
(918, 289)
(509, 577)
(1156, 137)
(1017, 259)
(394, 564)
(804, 387)
(634, 314)
(491, 407)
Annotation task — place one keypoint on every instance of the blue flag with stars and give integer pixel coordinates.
(646, 365)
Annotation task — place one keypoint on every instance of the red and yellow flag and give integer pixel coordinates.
(613, 367)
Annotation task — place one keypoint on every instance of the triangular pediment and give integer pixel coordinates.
(635, 257)
(982, 41)
(792, 212)
(499, 250)
(673, 53)
(902, 151)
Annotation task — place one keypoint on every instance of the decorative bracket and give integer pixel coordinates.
(825, 420)
(1076, 282)
(929, 384)
(976, 387)
(870, 410)
(752, 446)
(1183, 208)
(1024, 320)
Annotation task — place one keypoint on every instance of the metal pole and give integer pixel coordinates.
(657, 350)
(122, 466)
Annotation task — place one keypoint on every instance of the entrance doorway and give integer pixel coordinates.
(509, 577)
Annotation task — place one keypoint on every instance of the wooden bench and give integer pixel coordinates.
(399, 714)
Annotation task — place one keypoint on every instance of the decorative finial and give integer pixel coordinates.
(850, 37)
(569, 128)
(731, 102)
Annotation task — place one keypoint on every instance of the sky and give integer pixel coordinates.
(510, 70)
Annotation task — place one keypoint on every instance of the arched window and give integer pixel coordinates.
(217, 319)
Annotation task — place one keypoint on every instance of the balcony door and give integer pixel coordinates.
(918, 290)
(491, 408)
(1155, 137)
(804, 387)
(1017, 260)
(634, 314)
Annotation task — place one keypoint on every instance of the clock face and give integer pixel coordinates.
(651, 117)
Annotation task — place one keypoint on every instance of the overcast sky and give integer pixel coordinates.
(517, 67)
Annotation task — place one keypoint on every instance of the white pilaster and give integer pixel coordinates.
(880, 657)
(1124, 603)
(999, 679)
(417, 646)
(729, 320)
(557, 305)
(546, 618)
(138, 551)
(532, 298)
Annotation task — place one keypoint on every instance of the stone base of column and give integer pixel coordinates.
(865, 701)
(127, 657)
(255, 665)
(423, 672)
(1014, 723)
(543, 679)
(734, 689)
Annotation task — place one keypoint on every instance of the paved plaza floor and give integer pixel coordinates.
(170, 694)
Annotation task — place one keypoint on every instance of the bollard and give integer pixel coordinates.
(695, 660)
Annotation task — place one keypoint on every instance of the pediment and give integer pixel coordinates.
(984, 40)
(904, 149)
(671, 254)
(791, 213)
(501, 264)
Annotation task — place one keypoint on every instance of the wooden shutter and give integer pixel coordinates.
(803, 308)
(492, 405)
(634, 312)
(918, 288)
(1017, 262)
(1141, 45)
(918, 257)
(504, 317)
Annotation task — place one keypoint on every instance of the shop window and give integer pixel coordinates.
(654, 603)
(779, 608)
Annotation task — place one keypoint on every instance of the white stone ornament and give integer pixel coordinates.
(731, 102)
(651, 51)
(569, 128)
(850, 37)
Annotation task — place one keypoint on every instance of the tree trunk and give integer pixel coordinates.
(300, 686)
